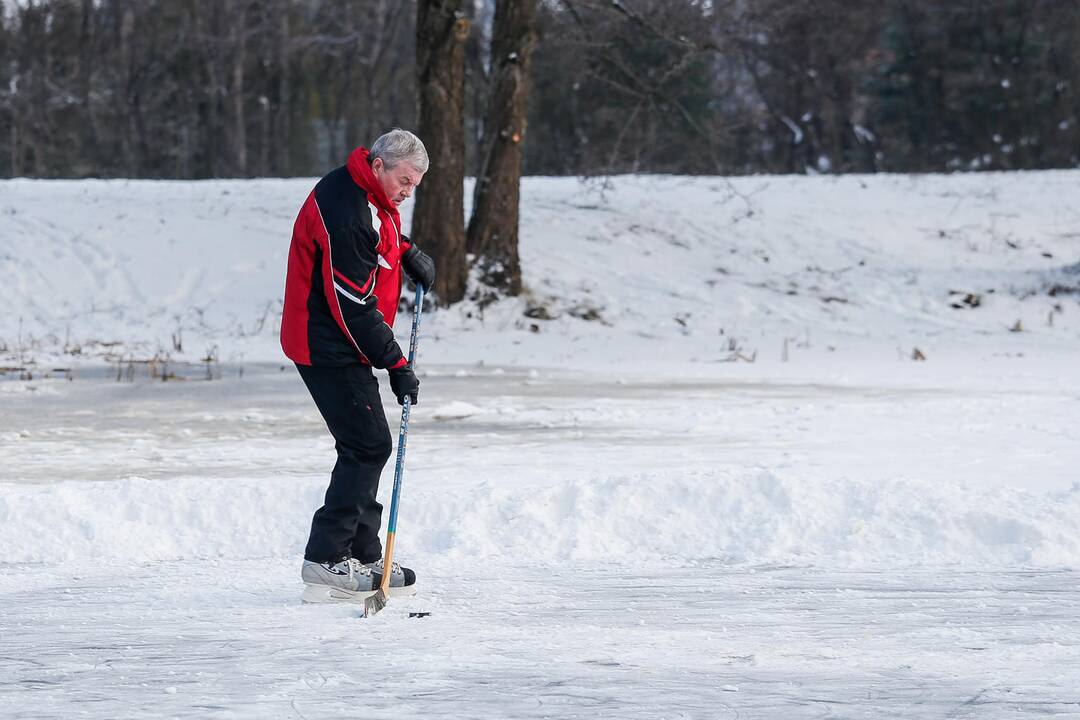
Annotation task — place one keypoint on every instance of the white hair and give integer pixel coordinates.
(398, 146)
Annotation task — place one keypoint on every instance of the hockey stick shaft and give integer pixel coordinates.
(403, 434)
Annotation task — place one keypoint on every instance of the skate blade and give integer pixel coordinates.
(327, 594)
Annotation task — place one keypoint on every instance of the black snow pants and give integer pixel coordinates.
(348, 521)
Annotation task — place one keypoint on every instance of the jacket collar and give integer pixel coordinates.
(361, 173)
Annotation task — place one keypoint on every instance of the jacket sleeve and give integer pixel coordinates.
(354, 263)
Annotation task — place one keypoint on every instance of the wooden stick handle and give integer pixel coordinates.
(388, 563)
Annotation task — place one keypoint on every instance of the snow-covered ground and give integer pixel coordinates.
(673, 271)
(613, 517)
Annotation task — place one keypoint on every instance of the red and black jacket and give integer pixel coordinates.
(344, 277)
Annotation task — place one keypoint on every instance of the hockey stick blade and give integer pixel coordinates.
(374, 603)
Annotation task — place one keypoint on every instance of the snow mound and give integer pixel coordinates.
(757, 517)
(727, 515)
(457, 410)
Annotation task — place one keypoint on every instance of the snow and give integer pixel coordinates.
(756, 473)
(456, 410)
(796, 642)
(610, 517)
(672, 268)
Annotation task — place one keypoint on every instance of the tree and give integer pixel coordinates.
(493, 228)
(627, 87)
(808, 79)
(439, 215)
(226, 88)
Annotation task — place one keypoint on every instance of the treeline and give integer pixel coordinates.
(235, 88)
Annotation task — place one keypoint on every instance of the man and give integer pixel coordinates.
(341, 296)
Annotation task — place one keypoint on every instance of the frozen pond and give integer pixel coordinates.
(480, 422)
(228, 639)
(589, 548)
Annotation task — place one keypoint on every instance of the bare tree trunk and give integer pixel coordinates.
(211, 58)
(127, 138)
(86, 64)
(477, 77)
(493, 229)
(439, 216)
(239, 41)
(364, 125)
(284, 105)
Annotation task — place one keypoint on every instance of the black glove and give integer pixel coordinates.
(419, 267)
(403, 382)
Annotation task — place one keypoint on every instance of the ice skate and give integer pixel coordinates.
(347, 580)
(350, 580)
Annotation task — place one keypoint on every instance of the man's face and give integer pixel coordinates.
(397, 182)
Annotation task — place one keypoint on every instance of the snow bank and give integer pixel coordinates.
(733, 516)
(667, 269)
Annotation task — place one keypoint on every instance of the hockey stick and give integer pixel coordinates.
(377, 602)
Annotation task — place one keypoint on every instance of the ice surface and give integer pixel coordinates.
(587, 548)
(227, 639)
